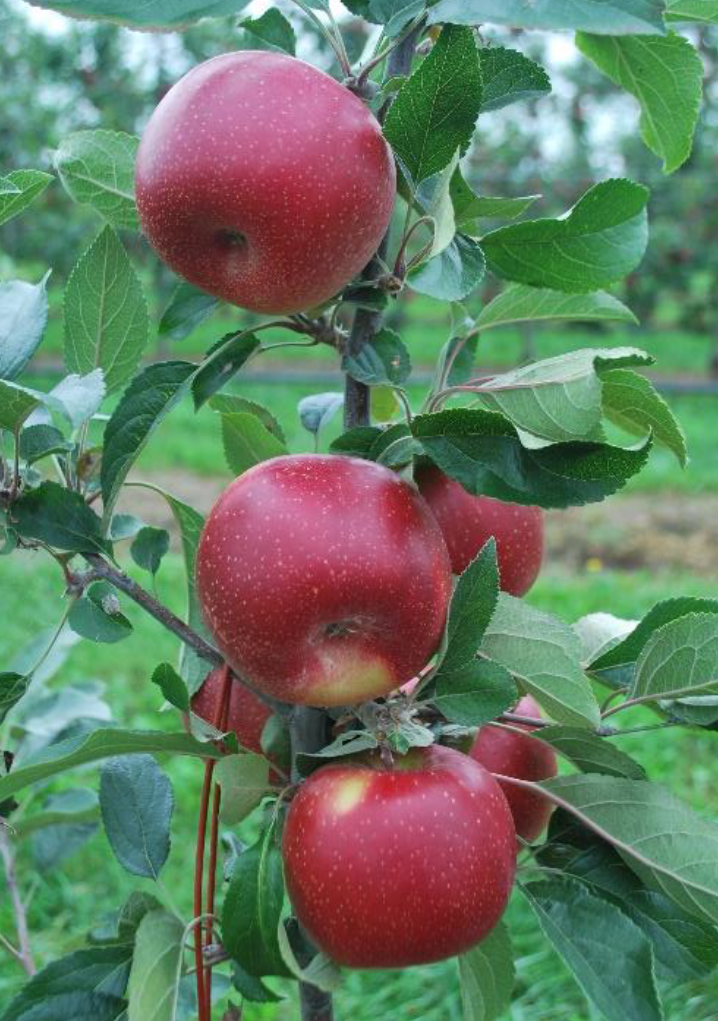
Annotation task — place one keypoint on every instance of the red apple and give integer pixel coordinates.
(247, 714)
(387, 868)
(469, 521)
(264, 181)
(526, 758)
(324, 579)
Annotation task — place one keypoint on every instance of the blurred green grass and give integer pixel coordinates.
(91, 883)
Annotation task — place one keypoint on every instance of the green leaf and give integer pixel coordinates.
(482, 451)
(632, 402)
(665, 74)
(472, 607)
(187, 308)
(590, 753)
(247, 441)
(684, 947)
(558, 399)
(521, 304)
(71, 805)
(136, 802)
(16, 404)
(88, 985)
(349, 742)
(357, 442)
(665, 843)
(487, 974)
(105, 313)
(223, 362)
(146, 13)
(148, 399)
(469, 206)
(26, 185)
(232, 403)
(96, 616)
(510, 77)
(383, 361)
(395, 15)
(321, 971)
(605, 17)
(123, 926)
(434, 194)
(244, 780)
(149, 547)
(251, 988)
(253, 907)
(172, 686)
(12, 687)
(435, 110)
(318, 410)
(599, 632)
(395, 447)
(583, 929)
(23, 317)
(474, 693)
(271, 31)
(60, 517)
(452, 275)
(67, 822)
(38, 441)
(629, 649)
(101, 744)
(77, 398)
(98, 168)
(156, 968)
(705, 11)
(679, 659)
(189, 523)
(543, 654)
(600, 240)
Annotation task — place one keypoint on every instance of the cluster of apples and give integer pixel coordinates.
(325, 581)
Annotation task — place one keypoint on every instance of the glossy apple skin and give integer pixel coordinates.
(247, 714)
(468, 522)
(511, 754)
(324, 579)
(391, 868)
(264, 182)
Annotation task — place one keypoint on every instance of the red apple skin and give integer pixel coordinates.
(324, 579)
(247, 714)
(526, 758)
(468, 522)
(264, 182)
(388, 868)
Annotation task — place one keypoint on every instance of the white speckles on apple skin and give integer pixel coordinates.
(419, 868)
(359, 603)
(269, 147)
(468, 522)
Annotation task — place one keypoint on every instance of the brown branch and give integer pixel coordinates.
(25, 953)
(367, 323)
(102, 570)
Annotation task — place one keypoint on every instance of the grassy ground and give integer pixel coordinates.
(90, 884)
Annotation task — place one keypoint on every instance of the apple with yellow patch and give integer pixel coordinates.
(388, 868)
(324, 580)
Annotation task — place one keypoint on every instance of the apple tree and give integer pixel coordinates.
(356, 670)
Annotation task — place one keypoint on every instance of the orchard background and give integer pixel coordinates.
(656, 539)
